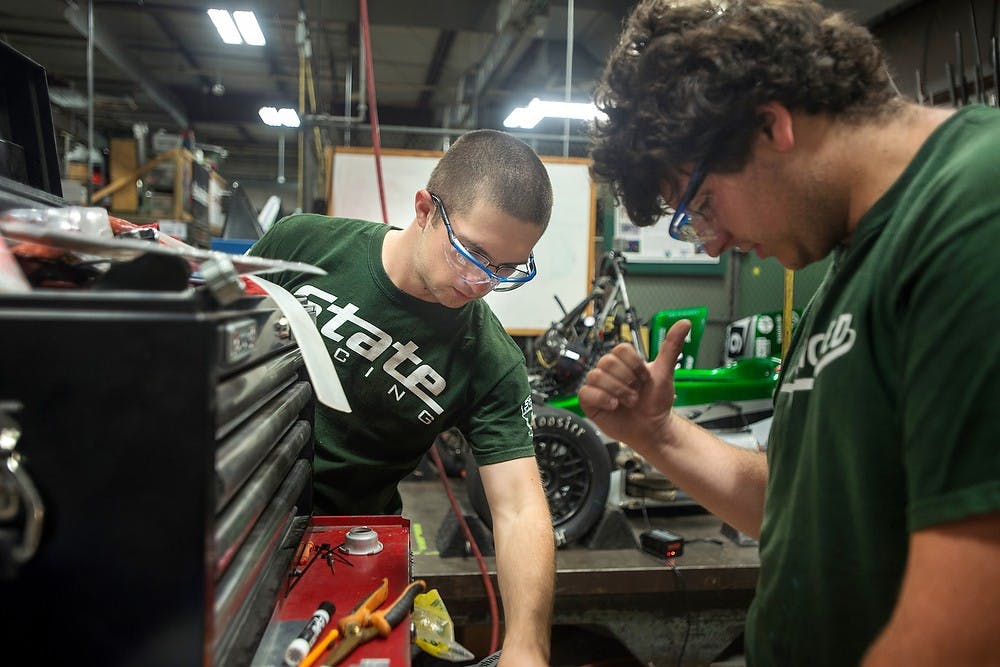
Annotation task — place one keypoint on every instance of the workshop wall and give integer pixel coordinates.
(924, 38)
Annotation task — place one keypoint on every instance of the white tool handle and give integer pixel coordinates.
(324, 378)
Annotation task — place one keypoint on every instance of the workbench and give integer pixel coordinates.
(652, 609)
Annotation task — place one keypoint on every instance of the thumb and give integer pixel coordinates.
(666, 359)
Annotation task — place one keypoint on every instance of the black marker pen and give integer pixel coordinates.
(300, 645)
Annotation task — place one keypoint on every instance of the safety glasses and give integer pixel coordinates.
(687, 224)
(477, 269)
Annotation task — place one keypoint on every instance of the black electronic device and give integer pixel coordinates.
(29, 166)
(662, 543)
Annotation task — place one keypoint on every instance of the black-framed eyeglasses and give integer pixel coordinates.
(477, 269)
(687, 224)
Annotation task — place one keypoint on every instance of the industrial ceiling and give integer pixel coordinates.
(454, 63)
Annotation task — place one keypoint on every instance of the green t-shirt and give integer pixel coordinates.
(885, 419)
(410, 368)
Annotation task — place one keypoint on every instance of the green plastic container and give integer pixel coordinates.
(746, 380)
(663, 320)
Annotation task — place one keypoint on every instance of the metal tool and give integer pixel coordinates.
(995, 59)
(980, 84)
(361, 541)
(16, 491)
(364, 623)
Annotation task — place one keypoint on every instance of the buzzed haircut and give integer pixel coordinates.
(495, 168)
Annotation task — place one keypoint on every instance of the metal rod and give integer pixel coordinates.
(323, 119)
(281, 157)
(978, 82)
(569, 72)
(995, 56)
(975, 32)
(963, 95)
(90, 99)
(949, 75)
(348, 91)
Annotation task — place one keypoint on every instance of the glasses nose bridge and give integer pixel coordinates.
(466, 268)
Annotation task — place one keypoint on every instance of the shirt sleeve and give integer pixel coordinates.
(499, 429)
(948, 306)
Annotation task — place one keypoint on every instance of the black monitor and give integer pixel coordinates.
(29, 163)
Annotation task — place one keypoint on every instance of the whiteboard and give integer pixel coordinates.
(654, 244)
(564, 255)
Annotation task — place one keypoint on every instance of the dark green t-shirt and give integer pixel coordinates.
(886, 418)
(410, 368)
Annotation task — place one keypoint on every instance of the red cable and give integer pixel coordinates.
(377, 147)
(373, 107)
(491, 595)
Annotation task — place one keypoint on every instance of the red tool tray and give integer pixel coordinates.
(344, 587)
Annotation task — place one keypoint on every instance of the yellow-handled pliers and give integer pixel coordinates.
(364, 623)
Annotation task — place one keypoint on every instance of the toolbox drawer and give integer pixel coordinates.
(170, 443)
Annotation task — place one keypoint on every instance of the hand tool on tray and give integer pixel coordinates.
(366, 621)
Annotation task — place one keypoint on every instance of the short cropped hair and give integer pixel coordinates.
(487, 166)
(685, 82)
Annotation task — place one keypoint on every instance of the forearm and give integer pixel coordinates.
(946, 616)
(525, 558)
(727, 480)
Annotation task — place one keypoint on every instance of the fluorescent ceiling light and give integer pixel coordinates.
(528, 117)
(224, 24)
(288, 117)
(246, 21)
(238, 27)
(270, 116)
(279, 117)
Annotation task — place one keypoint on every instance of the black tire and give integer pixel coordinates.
(576, 473)
(451, 448)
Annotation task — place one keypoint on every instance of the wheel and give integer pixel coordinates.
(451, 448)
(575, 467)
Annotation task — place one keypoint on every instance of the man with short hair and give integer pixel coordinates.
(418, 351)
(773, 126)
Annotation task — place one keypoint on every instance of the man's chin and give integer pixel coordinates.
(453, 298)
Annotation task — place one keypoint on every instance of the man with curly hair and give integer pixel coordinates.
(773, 126)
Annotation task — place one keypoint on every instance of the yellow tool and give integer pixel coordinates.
(364, 623)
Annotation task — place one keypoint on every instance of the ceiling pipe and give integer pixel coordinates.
(325, 120)
(90, 100)
(519, 23)
(570, 27)
(113, 52)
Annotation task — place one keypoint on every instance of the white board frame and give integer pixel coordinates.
(564, 255)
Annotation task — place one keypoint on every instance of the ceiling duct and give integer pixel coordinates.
(113, 52)
(519, 24)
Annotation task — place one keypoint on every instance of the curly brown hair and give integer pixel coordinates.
(685, 82)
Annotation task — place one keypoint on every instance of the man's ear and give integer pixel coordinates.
(776, 126)
(424, 207)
